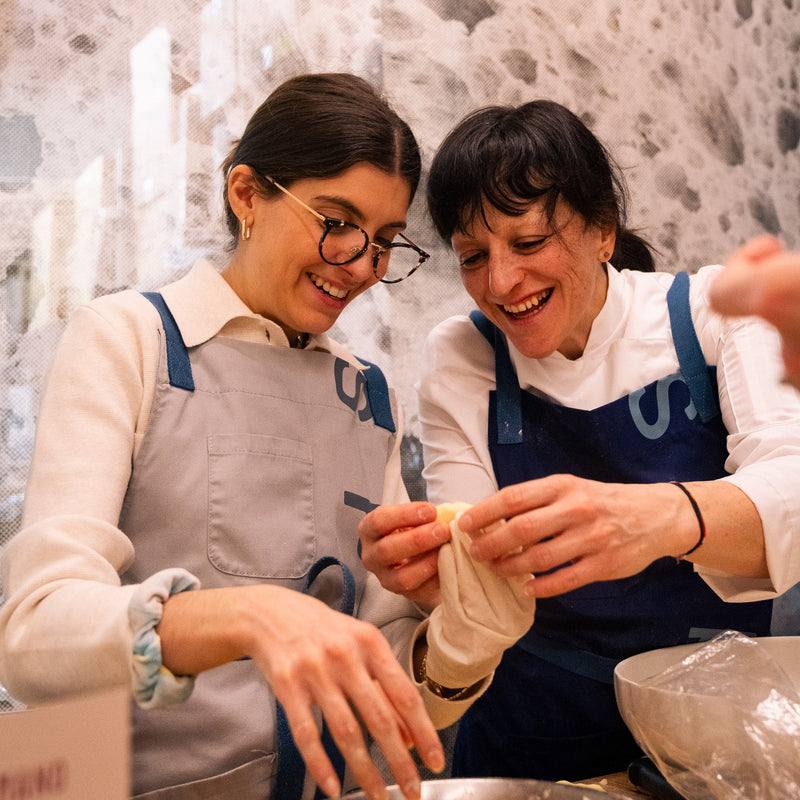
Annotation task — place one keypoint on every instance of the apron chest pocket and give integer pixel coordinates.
(260, 506)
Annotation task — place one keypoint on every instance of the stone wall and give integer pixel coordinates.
(115, 115)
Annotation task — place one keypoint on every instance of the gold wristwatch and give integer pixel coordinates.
(445, 692)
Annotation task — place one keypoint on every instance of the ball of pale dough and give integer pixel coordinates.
(447, 512)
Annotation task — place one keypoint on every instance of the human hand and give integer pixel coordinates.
(762, 278)
(316, 657)
(400, 545)
(479, 617)
(313, 657)
(577, 531)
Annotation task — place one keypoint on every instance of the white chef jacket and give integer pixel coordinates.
(630, 345)
(66, 625)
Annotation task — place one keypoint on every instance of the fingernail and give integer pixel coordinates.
(435, 760)
(441, 533)
(422, 513)
(412, 789)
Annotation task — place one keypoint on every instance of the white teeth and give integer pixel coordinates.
(528, 304)
(339, 294)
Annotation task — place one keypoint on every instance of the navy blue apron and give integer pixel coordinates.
(551, 711)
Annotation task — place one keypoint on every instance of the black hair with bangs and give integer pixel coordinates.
(508, 157)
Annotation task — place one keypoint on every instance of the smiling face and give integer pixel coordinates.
(542, 284)
(279, 273)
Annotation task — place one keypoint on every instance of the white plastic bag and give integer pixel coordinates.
(726, 724)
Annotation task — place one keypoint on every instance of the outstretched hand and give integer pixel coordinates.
(762, 278)
(319, 657)
(313, 657)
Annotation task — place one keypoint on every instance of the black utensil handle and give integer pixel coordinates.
(644, 773)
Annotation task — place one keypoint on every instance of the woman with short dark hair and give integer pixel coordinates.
(629, 450)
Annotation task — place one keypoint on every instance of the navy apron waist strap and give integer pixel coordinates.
(291, 772)
(581, 662)
(690, 354)
(178, 365)
(348, 604)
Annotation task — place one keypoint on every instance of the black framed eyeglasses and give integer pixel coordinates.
(342, 242)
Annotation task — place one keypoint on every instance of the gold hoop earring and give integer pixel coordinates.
(246, 229)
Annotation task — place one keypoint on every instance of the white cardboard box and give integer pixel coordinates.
(78, 749)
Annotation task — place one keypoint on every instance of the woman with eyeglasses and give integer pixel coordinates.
(204, 455)
(631, 454)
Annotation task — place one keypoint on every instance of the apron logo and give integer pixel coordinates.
(657, 429)
(359, 394)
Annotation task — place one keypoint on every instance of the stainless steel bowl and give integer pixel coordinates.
(497, 789)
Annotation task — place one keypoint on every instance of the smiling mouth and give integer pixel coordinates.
(532, 304)
(332, 291)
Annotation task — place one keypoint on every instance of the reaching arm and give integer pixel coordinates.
(601, 531)
(312, 656)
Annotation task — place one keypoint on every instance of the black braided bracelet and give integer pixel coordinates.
(697, 513)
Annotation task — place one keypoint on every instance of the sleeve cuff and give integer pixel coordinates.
(443, 713)
(153, 685)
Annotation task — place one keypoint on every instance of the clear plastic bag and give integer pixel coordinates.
(724, 723)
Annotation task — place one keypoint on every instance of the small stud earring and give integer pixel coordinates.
(246, 229)
(606, 256)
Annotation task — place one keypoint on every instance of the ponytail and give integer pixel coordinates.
(633, 252)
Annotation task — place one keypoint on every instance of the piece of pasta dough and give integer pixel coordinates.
(447, 512)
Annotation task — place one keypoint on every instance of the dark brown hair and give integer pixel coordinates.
(317, 126)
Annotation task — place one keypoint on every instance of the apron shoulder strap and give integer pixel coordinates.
(378, 396)
(481, 322)
(180, 369)
(690, 354)
(509, 402)
(178, 365)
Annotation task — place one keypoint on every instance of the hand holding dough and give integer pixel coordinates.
(480, 615)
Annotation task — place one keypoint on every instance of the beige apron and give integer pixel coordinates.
(251, 474)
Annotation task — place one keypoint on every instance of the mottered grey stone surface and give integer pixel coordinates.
(115, 115)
